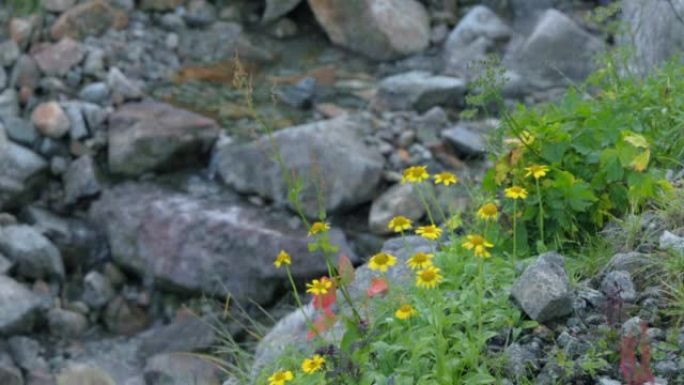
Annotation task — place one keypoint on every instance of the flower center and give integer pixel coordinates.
(489, 209)
(428, 275)
(381, 259)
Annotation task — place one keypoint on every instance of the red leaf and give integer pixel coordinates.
(345, 269)
(324, 322)
(377, 286)
(326, 300)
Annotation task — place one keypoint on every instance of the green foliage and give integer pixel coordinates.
(23, 7)
(608, 151)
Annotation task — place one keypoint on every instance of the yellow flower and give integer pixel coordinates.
(280, 377)
(313, 364)
(488, 212)
(429, 232)
(446, 178)
(283, 258)
(516, 192)
(318, 227)
(399, 224)
(415, 174)
(420, 260)
(429, 277)
(478, 244)
(382, 261)
(319, 286)
(536, 170)
(405, 311)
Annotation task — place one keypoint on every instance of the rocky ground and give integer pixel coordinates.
(133, 181)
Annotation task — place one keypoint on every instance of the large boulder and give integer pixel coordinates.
(477, 34)
(400, 199)
(149, 136)
(34, 255)
(329, 156)
(216, 246)
(220, 41)
(18, 307)
(20, 171)
(379, 29)
(278, 8)
(656, 30)
(557, 52)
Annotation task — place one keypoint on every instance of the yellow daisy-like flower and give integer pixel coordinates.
(405, 311)
(429, 232)
(313, 364)
(399, 224)
(319, 286)
(280, 377)
(420, 260)
(478, 244)
(488, 212)
(318, 227)
(283, 258)
(415, 174)
(537, 171)
(429, 277)
(382, 261)
(516, 192)
(446, 178)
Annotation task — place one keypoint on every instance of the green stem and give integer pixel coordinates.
(309, 323)
(481, 284)
(425, 204)
(515, 227)
(541, 211)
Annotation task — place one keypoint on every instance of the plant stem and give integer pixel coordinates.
(425, 204)
(310, 323)
(515, 228)
(541, 212)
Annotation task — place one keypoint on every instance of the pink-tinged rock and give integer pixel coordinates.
(57, 59)
(151, 136)
(88, 19)
(20, 31)
(51, 120)
(379, 29)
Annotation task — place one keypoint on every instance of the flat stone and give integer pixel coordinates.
(20, 130)
(467, 143)
(97, 92)
(34, 255)
(51, 120)
(151, 136)
(18, 307)
(420, 90)
(177, 369)
(123, 89)
(57, 59)
(81, 180)
(543, 290)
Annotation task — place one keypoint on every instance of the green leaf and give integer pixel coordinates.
(610, 164)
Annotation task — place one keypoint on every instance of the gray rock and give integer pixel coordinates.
(400, 199)
(19, 307)
(379, 29)
(571, 345)
(189, 334)
(97, 290)
(122, 88)
(9, 103)
(608, 381)
(95, 117)
(3, 78)
(21, 170)
(632, 327)
(25, 73)
(81, 180)
(278, 8)
(467, 143)
(199, 244)
(526, 13)
(478, 33)
(84, 375)
(521, 360)
(619, 283)
(420, 90)
(317, 152)
(668, 369)
(78, 240)
(58, 5)
(97, 92)
(671, 241)
(78, 128)
(199, 14)
(150, 136)
(57, 59)
(20, 130)
(91, 18)
(34, 255)
(94, 63)
(124, 317)
(66, 324)
(557, 52)
(51, 120)
(655, 31)
(9, 373)
(9, 52)
(176, 369)
(111, 360)
(27, 353)
(172, 22)
(160, 5)
(299, 95)
(5, 265)
(543, 290)
(632, 262)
